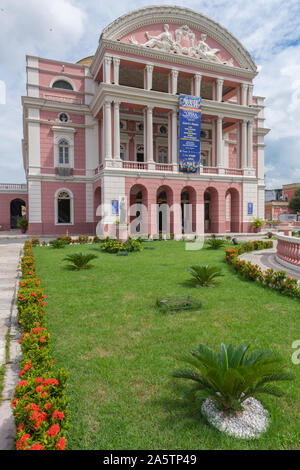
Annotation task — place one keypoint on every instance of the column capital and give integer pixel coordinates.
(108, 59)
(220, 81)
(220, 117)
(149, 108)
(244, 86)
(116, 60)
(117, 102)
(107, 102)
(149, 67)
(198, 75)
(244, 122)
(174, 72)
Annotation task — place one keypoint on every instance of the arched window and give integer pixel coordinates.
(64, 207)
(63, 152)
(62, 84)
(140, 153)
(162, 156)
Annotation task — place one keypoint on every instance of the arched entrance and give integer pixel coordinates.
(211, 211)
(188, 210)
(164, 199)
(138, 204)
(233, 216)
(17, 211)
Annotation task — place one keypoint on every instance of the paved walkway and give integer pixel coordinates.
(266, 259)
(9, 276)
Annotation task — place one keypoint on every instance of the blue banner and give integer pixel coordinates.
(189, 133)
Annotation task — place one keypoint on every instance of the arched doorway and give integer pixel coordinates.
(164, 199)
(188, 210)
(211, 211)
(138, 216)
(233, 216)
(17, 211)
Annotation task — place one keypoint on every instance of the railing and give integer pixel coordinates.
(13, 187)
(163, 167)
(210, 169)
(288, 250)
(135, 165)
(234, 171)
(65, 99)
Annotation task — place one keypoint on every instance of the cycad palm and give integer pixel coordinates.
(215, 243)
(80, 260)
(232, 375)
(204, 276)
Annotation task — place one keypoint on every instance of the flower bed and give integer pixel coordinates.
(277, 280)
(40, 405)
(114, 246)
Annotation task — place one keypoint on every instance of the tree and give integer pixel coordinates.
(294, 203)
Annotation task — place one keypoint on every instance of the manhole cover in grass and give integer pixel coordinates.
(179, 303)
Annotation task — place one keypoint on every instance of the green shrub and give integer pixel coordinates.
(79, 260)
(232, 375)
(57, 243)
(83, 239)
(204, 276)
(66, 239)
(215, 243)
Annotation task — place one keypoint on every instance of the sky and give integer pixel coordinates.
(69, 30)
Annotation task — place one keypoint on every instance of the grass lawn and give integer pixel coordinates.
(119, 350)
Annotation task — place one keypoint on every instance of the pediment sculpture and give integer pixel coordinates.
(183, 36)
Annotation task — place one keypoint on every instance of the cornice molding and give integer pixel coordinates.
(153, 54)
(179, 15)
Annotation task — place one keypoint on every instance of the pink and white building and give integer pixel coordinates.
(106, 129)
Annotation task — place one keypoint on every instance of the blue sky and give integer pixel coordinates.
(70, 30)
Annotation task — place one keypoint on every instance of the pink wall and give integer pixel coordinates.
(5, 200)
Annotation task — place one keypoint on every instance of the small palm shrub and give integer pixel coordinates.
(204, 276)
(232, 375)
(80, 260)
(57, 243)
(215, 243)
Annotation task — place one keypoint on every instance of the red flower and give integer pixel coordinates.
(39, 380)
(37, 446)
(53, 430)
(61, 444)
(48, 406)
(58, 415)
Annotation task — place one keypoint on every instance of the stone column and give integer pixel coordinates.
(174, 80)
(244, 89)
(107, 130)
(219, 141)
(250, 144)
(107, 69)
(150, 134)
(116, 62)
(148, 77)
(219, 89)
(250, 94)
(198, 78)
(174, 140)
(244, 144)
(117, 129)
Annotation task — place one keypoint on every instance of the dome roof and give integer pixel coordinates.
(86, 61)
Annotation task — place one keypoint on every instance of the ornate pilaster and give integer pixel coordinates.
(148, 77)
(117, 129)
(116, 62)
(220, 141)
(174, 80)
(149, 139)
(107, 130)
(244, 144)
(197, 79)
(219, 89)
(250, 144)
(174, 139)
(107, 69)
(250, 94)
(244, 89)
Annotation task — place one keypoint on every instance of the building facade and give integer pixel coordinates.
(102, 134)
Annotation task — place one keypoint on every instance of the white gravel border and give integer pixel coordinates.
(248, 424)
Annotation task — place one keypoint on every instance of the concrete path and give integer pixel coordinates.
(9, 278)
(266, 259)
